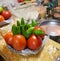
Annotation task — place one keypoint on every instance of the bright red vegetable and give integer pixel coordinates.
(40, 28)
(20, 1)
(34, 42)
(8, 38)
(19, 42)
(1, 18)
(6, 14)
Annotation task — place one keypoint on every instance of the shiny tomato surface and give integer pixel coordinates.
(1, 18)
(8, 38)
(19, 42)
(6, 14)
(34, 42)
(40, 28)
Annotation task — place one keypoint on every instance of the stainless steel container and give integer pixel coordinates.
(52, 29)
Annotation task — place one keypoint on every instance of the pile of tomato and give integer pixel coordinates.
(20, 42)
(4, 14)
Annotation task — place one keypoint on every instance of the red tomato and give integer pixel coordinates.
(8, 38)
(6, 14)
(40, 28)
(20, 1)
(1, 18)
(34, 42)
(19, 42)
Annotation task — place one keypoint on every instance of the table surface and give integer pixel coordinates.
(49, 52)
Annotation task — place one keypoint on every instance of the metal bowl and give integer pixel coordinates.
(27, 51)
(51, 22)
(52, 29)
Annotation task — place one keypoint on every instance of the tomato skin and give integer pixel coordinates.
(19, 42)
(37, 27)
(40, 40)
(20, 1)
(34, 42)
(42, 36)
(40, 28)
(1, 18)
(8, 38)
(6, 14)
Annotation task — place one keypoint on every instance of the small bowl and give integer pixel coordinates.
(27, 51)
(5, 22)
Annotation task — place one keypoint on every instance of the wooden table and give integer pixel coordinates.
(48, 53)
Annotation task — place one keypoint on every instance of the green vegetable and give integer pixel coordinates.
(14, 29)
(18, 23)
(22, 29)
(18, 30)
(28, 32)
(33, 23)
(25, 29)
(27, 26)
(38, 32)
(1, 9)
(22, 21)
